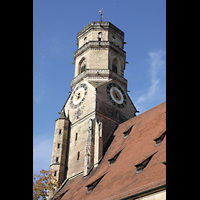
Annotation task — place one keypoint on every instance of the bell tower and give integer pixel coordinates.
(98, 101)
(100, 52)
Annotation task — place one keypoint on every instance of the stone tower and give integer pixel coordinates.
(60, 147)
(98, 102)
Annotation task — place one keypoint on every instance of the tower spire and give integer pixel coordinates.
(62, 116)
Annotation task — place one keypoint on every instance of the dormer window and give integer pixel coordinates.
(112, 160)
(159, 139)
(126, 133)
(91, 186)
(143, 164)
(164, 163)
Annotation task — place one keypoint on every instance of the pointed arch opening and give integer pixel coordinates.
(99, 36)
(115, 65)
(82, 65)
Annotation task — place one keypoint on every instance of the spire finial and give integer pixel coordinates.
(101, 15)
(62, 114)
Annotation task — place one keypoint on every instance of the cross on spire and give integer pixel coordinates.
(101, 15)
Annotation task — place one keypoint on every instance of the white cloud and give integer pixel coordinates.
(157, 62)
(156, 90)
(151, 91)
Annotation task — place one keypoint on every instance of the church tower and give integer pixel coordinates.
(98, 102)
(60, 147)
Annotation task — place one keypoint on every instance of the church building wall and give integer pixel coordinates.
(77, 147)
(155, 196)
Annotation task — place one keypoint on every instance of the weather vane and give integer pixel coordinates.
(101, 15)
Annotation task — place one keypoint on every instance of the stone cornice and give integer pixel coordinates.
(104, 25)
(98, 74)
(98, 45)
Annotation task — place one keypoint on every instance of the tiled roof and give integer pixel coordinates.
(121, 179)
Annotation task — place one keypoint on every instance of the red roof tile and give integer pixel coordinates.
(120, 179)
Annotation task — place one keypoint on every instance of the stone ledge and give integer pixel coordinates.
(98, 24)
(98, 45)
(97, 74)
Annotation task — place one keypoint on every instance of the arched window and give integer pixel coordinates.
(99, 36)
(82, 65)
(113, 38)
(85, 40)
(114, 65)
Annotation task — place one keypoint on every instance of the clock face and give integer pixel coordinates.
(116, 95)
(78, 95)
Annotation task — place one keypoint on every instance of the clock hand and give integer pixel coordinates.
(116, 94)
(77, 95)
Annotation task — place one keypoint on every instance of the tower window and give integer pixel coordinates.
(99, 36)
(76, 137)
(114, 65)
(85, 40)
(82, 65)
(114, 68)
(78, 155)
(60, 131)
(58, 146)
(57, 159)
(83, 68)
(55, 173)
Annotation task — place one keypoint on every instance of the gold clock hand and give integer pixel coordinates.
(116, 94)
(77, 95)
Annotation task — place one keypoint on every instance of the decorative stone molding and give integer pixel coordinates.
(97, 74)
(92, 45)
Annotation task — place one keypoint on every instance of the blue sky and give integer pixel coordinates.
(55, 25)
